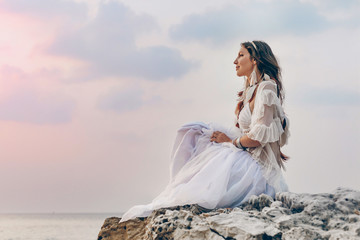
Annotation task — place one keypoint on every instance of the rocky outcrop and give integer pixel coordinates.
(290, 216)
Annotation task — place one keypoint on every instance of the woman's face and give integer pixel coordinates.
(244, 65)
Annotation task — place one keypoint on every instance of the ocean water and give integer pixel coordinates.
(58, 226)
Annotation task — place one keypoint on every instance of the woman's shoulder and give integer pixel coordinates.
(267, 92)
(268, 84)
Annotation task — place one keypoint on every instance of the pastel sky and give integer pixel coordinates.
(92, 93)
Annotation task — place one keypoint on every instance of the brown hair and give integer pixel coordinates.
(266, 63)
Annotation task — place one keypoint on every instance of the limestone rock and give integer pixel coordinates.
(289, 216)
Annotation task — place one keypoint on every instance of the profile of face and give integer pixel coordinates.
(243, 62)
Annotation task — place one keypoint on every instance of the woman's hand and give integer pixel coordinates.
(219, 137)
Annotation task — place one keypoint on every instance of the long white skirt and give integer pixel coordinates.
(206, 173)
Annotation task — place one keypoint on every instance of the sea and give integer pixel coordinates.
(52, 226)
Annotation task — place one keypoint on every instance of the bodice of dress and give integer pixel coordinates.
(244, 119)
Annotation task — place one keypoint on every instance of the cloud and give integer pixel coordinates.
(106, 41)
(122, 101)
(255, 19)
(155, 63)
(25, 103)
(339, 12)
(29, 106)
(47, 9)
(333, 4)
(126, 100)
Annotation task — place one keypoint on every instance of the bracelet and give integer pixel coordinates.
(237, 144)
(244, 148)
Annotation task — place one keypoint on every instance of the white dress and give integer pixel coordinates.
(215, 175)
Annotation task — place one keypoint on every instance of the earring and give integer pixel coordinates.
(253, 78)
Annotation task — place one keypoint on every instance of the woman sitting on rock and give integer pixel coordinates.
(217, 167)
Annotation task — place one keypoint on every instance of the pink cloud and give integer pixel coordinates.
(23, 101)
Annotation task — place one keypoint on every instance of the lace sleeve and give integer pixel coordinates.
(266, 119)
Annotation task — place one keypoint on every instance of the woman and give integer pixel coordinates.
(217, 167)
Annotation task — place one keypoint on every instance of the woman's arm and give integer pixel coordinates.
(245, 141)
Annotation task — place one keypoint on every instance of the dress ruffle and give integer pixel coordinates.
(265, 134)
(268, 98)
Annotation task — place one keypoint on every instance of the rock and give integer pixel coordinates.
(289, 216)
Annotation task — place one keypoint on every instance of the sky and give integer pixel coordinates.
(92, 93)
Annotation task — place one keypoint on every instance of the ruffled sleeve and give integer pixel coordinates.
(267, 116)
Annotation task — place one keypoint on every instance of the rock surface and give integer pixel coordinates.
(333, 215)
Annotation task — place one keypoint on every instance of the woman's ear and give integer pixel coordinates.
(253, 61)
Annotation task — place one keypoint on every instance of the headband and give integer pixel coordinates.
(254, 45)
